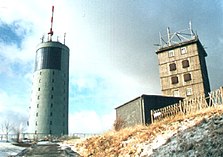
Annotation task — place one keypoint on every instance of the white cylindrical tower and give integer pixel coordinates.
(50, 91)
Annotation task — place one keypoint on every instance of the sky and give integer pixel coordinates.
(112, 52)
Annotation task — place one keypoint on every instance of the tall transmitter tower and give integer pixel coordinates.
(48, 110)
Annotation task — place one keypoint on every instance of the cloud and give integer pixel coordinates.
(90, 122)
(10, 109)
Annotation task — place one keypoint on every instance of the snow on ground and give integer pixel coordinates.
(7, 149)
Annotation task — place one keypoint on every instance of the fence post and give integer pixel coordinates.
(221, 90)
(151, 114)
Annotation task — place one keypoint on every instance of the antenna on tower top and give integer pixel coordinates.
(51, 28)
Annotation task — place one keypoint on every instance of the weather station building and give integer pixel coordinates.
(48, 110)
(182, 65)
(183, 73)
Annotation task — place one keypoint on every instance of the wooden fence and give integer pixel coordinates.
(189, 105)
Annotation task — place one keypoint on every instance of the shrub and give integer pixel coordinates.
(119, 124)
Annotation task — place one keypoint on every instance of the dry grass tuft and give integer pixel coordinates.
(119, 124)
(129, 141)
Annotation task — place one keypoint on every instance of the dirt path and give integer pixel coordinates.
(48, 150)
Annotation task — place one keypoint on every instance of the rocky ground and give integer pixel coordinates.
(198, 134)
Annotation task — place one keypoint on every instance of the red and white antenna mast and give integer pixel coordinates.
(51, 28)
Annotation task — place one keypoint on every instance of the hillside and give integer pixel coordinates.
(198, 134)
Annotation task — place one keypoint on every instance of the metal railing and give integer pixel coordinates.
(41, 136)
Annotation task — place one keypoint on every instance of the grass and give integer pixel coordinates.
(126, 141)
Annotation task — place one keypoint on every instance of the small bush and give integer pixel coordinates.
(119, 124)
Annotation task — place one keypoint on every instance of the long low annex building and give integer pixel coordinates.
(138, 110)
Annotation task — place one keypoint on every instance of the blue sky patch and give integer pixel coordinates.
(12, 33)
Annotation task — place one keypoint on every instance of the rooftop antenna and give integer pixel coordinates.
(42, 39)
(64, 38)
(190, 28)
(51, 28)
(168, 36)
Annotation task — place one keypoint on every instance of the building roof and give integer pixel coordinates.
(162, 49)
(145, 95)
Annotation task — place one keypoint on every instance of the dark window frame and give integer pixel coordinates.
(174, 80)
(172, 67)
(187, 77)
(185, 63)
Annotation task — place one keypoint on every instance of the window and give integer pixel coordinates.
(171, 53)
(51, 113)
(37, 105)
(187, 77)
(174, 80)
(189, 91)
(52, 88)
(172, 66)
(40, 73)
(36, 123)
(51, 96)
(183, 50)
(38, 89)
(44, 59)
(50, 122)
(52, 80)
(185, 63)
(51, 105)
(38, 97)
(176, 93)
(39, 80)
(53, 72)
(37, 114)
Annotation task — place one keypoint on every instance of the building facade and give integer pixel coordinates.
(138, 110)
(183, 70)
(50, 89)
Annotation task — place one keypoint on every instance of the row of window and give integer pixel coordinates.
(53, 89)
(52, 73)
(51, 114)
(175, 80)
(183, 51)
(51, 105)
(185, 64)
(64, 82)
(189, 91)
(38, 97)
(51, 123)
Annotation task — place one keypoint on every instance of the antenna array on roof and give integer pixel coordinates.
(177, 37)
